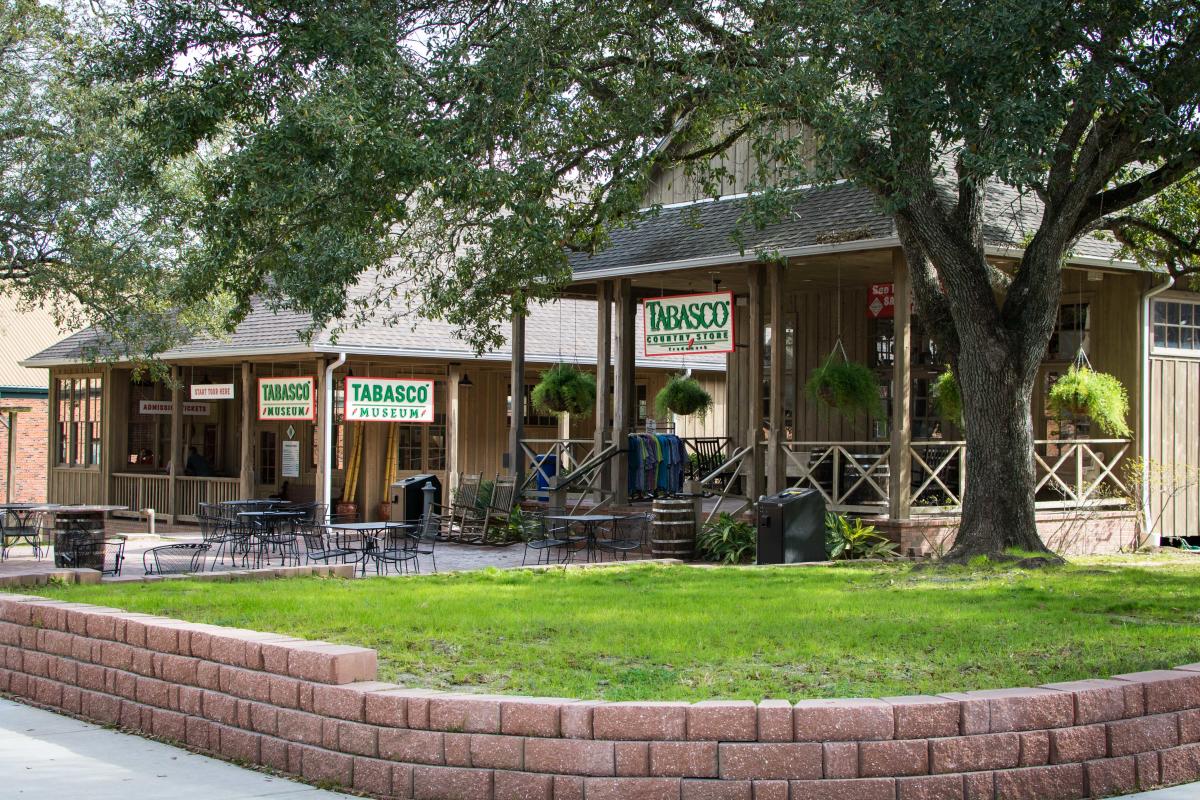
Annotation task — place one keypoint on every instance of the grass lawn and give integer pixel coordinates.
(654, 632)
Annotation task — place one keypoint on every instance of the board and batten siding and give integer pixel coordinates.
(1175, 443)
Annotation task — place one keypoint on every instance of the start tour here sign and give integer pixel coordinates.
(688, 323)
(389, 400)
(286, 398)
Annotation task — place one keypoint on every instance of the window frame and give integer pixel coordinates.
(78, 421)
(1193, 326)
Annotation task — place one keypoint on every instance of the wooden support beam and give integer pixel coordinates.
(176, 463)
(604, 384)
(900, 466)
(754, 380)
(453, 376)
(516, 428)
(776, 470)
(107, 443)
(246, 466)
(624, 389)
(319, 439)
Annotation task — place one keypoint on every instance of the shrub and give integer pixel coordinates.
(726, 540)
(847, 539)
(563, 389)
(1097, 395)
(683, 396)
(948, 397)
(847, 386)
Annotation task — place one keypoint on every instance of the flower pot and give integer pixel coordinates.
(346, 510)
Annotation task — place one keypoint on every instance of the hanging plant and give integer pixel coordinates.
(683, 396)
(845, 385)
(948, 397)
(563, 389)
(1097, 395)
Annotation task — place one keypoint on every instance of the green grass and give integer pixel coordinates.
(654, 632)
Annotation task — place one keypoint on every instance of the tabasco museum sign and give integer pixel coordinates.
(286, 398)
(688, 323)
(389, 400)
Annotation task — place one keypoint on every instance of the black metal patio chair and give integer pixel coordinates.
(543, 539)
(217, 530)
(395, 547)
(175, 559)
(321, 544)
(623, 536)
(19, 525)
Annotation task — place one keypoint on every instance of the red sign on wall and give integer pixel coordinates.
(881, 301)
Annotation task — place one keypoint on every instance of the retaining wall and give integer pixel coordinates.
(315, 710)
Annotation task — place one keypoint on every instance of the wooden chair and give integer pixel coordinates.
(463, 512)
(709, 454)
(500, 506)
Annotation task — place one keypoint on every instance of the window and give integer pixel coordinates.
(1177, 327)
(533, 418)
(422, 448)
(266, 457)
(1070, 332)
(79, 416)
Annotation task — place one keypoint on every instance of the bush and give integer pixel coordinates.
(726, 540)
(847, 386)
(682, 396)
(1097, 395)
(948, 397)
(848, 539)
(563, 389)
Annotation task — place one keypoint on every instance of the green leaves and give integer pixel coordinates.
(564, 389)
(684, 396)
(1095, 394)
(846, 386)
(849, 538)
(727, 541)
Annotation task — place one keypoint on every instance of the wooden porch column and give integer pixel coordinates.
(453, 376)
(107, 445)
(319, 438)
(623, 390)
(516, 428)
(246, 469)
(176, 468)
(900, 459)
(776, 464)
(754, 381)
(603, 413)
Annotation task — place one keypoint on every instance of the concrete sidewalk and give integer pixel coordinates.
(44, 756)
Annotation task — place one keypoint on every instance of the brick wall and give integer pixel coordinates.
(1086, 532)
(29, 485)
(315, 710)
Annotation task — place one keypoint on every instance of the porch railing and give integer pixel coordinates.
(567, 454)
(191, 491)
(723, 479)
(855, 477)
(138, 490)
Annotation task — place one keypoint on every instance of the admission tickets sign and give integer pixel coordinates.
(287, 398)
(688, 323)
(389, 400)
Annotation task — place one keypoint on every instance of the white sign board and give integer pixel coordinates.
(289, 462)
(164, 407)
(389, 400)
(688, 323)
(286, 398)
(212, 391)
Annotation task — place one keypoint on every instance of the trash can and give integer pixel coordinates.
(545, 468)
(791, 527)
(406, 498)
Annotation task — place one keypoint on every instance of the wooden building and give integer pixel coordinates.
(115, 438)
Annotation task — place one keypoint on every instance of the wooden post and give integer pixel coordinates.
(623, 390)
(776, 464)
(453, 376)
(900, 457)
(319, 438)
(603, 414)
(754, 381)
(516, 428)
(176, 431)
(246, 469)
(106, 437)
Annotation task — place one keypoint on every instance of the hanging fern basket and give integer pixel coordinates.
(846, 386)
(1097, 395)
(682, 396)
(947, 397)
(563, 389)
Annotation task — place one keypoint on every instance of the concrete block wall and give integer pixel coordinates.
(316, 710)
(29, 454)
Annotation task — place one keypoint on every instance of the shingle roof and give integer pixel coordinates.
(23, 333)
(707, 230)
(564, 330)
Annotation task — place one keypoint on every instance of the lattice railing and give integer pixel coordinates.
(851, 476)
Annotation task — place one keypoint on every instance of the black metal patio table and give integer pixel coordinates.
(263, 527)
(359, 537)
(589, 523)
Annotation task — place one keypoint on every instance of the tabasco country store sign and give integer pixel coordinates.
(286, 398)
(389, 400)
(688, 323)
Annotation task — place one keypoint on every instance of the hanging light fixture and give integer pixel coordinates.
(465, 382)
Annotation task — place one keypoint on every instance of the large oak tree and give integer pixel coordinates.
(466, 147)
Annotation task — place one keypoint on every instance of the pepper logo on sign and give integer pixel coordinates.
(389, 400)
(695, 323)
(286, 398)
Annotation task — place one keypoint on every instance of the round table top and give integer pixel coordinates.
(255, 503)
(370, 526)
(271, 513)
(583, 517)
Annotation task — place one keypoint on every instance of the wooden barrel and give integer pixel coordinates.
(674, 531)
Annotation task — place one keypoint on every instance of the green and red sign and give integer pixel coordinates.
(287, 398)
(389, 400)
(688, 323)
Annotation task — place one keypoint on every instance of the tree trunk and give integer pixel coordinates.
(998, 511)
